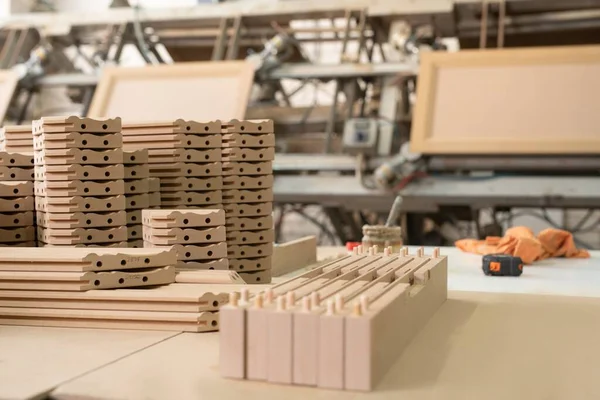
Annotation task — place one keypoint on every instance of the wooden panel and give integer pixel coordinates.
(8, 83)
(517, 101)
(198, 91)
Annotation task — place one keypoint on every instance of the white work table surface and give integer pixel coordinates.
(479, 345)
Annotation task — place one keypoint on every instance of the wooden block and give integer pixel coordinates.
(248, 126)
(168, 170)
(16, 131)
(135, 232)
(16, 174)
(81, 235)
(12, 235)
(248, 210)
(154, 184)
(16, 219)
(78, 156)
(257, 340)
(247, 182)
(241, 154)
(247, 196)
(177, 218)
(79, 188)
(209, 277)
(247, 168)
(79, 204)
(280, 343)
(203, 142)
(15, 160)
(250, 264)
(251, 237)
(76, 140)
(80, 219)
(218, 264)
(256, 277)
(16, 188)
(138, 156)
(306, 344)
(201, 156)
(75, 124)
(136, 171)
(249, 224)
(135, 244)
(232, 343)
(170, 127)
(116, 245)
(134, 217)
(330, 359)
(179, 204)
(153, 141)
(198, 251)
(31, 243)
(81, 259)
(137, 201)
(79, 172)
(190, 184)
(294, 255)
(252, 251)
(165, 155)
(154, 199)
(169, 236)
(192, 198)
(202, 169)
(136, 186)
(248, 140)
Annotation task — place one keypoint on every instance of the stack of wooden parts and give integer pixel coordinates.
(16, 139)
(198, 236)
(79, 182)
(17, 222)
(339, 326)
(248, 153)
(186, 156)
(137, 193)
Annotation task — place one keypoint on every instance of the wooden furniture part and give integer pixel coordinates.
(78, 188)
(136, 171)
(138, 156)
(168, 92)
(14, 235)
(214, 264)
(16, 174)
(239, 196)
(247, 168)
(135, 233)
(170, 236)
(78, 156)
(209, 277)
(185, 183)
(508, 101)
(248, 210)
(16, 188)
(77, 140)
(246, 154)
(8, 159)
(78, 172)
(81, 281)
(72, 220)
(291, 256)
(16, 219)
(247, 182)
(14, 204)
(49, 125)
(81, 235)
(115, 245)
(256, 277)
(8, 84)
(251, 237)
(249, 223)
(137, 201)
(250, 264)
(171, 127)
(31, 243)
(188, 252)
(192, 198)
(256, 127)
(248, 140)
(16, 139)
(137, 186)
(79, 203)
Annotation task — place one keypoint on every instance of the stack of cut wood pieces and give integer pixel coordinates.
(341, 325)
(16, 139)
(79, 182)
(17, 222)
(52, 287)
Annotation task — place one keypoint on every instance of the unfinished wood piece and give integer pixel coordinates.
(79, 188)
(247, 168)
(209, 277)
(239, 196)
(177, 218)
(170, 170)
(248, 210)
(31, 243)
(22, 234)
(330, 347)
(16, 219)
(193, 198)
(280, 343)
(194, 142)
(155, 201)
(135, 232)
(65, 236)
(16, 174)
(135, 243)
(76, 140)
(242, 154)
(16, 188)
(249, 224)
(10, 133)
(153, 143)
(79, 172)
(154, 184)
(169, 236)
(165, 155)
(15, 160)
(201, 156)
(79, 259)
(14, 204)
(202, 169)
(257, 126)
(217, 264)
(75, 124)
(252, 251)
(137, 201)
(172, 127)
(196, 252)
(78, 156)
(136, 186)
(248, 140)
(256, 276)
(81, 220)
(306, 351)
(488, 91)
(183, 205)
(115, 245)
(296, 254)
(169, 91)
(250, 264)
(8, 84)
(251, 237)
(190, 184)
(79, 204)
(139, 156)
(247, 182)
(136, 171)
(232, 344)
(257, 339)
(134, 217)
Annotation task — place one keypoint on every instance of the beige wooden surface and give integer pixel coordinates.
(8, 83)
(478, 346)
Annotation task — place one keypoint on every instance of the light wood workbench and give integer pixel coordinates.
(490, 345)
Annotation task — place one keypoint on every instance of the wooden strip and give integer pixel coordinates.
(76, 140)
(13, 235)
(16, 174)
(206, 276)
(247, 182)
(76, 124)
(80, 220)
(241, 154)
(79, 188)
(81, 235)
(16, 219)
(248, 210)
(79, 172)
(250, 264)
(248, 140)
(8, 159)
(247, 168)
(291, 256)
(17, 204)
(138, 156)
(195, 184)
(168, 236)
(79, 204)
(240, 251)
(248, 126)
(78, 156)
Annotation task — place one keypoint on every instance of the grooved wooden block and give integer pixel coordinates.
(78, 156)
(280, 346)
(75, 124)
(249, 223)
(136, 171)
(241, 154)
(166, 170)
(16, 188)
(136, 186)
(16, 174)
(247, 196)
(81, 235)
(179, 219)
(135, 243)
(79, 188)
(179, 204)
(80, 281)
(135, 232)
(15, 159)
(134, 217)
(31, 243)
(79, 172)
(16, 138)
(248, 210)
(217, 264)
(259, 250)
(165, 155)
(209, 277)
(250, 264)
(247, 168)
(196, 252)
(202, 169)
(16, 219)
(79, 204)
(154, 199)
(201, 156)
(258, 126)
(248, 140)
(193, 198)
(171, 127)
(139, 156)
(202, 142)
(251, 237)
(12, 235)
(137, 201)
(81, 220)
(116, 245)
(154, 184)
(14, 204)
(256, 277)
(153, 142)
(190, 184)
(232, 344)
(247, 182)
(170, 236)
(77, 140)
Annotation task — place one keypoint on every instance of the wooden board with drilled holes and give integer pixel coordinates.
(242, 154)
(75, 124)
(136, 171)
(188, 155)
(13, 235)
(194, 252)
(201, 169)
(252, 251)
(58, 236)
(180, 204)
(79, 172)
(169, 236)
(218, 264)
(187, 184)
(250, 237)
(16, 174)
(137, 201)
(256, 127)
(137, 186)
(78, 156)
(135, 232)
(256, 276)
(15, 160)
(248, 210)
(115, 245)
(192, 198)
(81, 219)
(79, 188)
(31, 243)
(139, 156)
(248, 140)
(247, 168)
(15, 204)
(16, 219)
(80, 204)
(179, 219)
(249, 223)
(134, 217)
(76, 140)
(247, 182)
(172, 127)
(16, 188)
(239, 196)
(250, 264)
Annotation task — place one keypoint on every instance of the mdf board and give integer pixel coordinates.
(198, 91)
(8, 83)
(516, 101)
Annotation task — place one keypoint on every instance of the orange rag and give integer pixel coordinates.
(521, 242)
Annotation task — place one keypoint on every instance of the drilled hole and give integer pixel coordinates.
(186, 221)
(189, 171)
(243, 142)
(107, 189)
(89, 237)
(190, 185)
(132, 188)
(242, 128)
(206, 157)
(206, 128)
(89, 221)
(86, 190)
(207, 142)
(189, 142)
(188, 254)
(107, 173)
(13, 176)
(121, 281)
(84, 142)
(133, 218)
(12, 161)
(146, 260)
(108, 205)
(259, 197)
(189, 157)
(260, 156)
(207, 220)
(15, 191)
(242, 184)
(258, 265)
(16, 221)
(145, 279)
(241, 266)
(133, 173)
(243, 156)
(105, 142)
(208, 237)
(189, 199)
(241, 169)
(105, 158)
(110, 221)
(132, 158)
(99, 264)
(243, 253)
(260, 128)
(215, 303)
(123, 262)
(186, 238)
(258, 169)
(243, 239)
(88, 205)
(259, 251)
(18, 236)
(260, 141)
(210, 253)
(207, 171)
(187, 128)
(86, 174)
(242, 225)
(96, 282)
(104, 126)
(83, 126)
